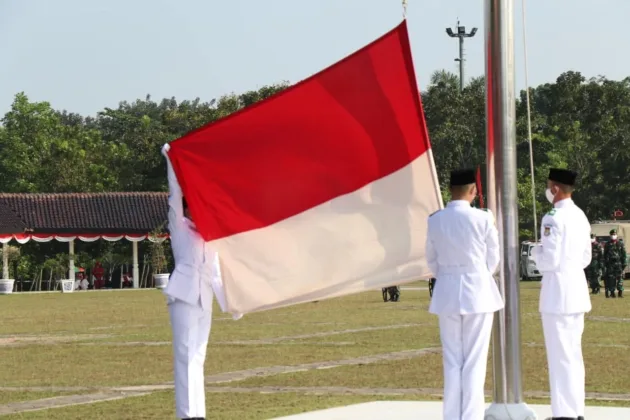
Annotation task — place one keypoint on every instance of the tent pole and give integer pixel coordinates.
(136, 271)
(71, 261)
(5, 261)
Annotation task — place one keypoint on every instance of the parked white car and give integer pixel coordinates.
(528, 266)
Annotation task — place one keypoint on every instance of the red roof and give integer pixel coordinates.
(83, 213)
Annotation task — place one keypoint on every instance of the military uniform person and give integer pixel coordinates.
(394, 293)
(463, 254)
(594, 270)
(614, 264)
(431, 286)
(565, 251)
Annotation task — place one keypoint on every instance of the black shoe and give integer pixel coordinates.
(580, 417)
(384, 291)
(620, 293)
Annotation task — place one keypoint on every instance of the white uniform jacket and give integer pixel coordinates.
(562, 256)
(197, 267)
(463, 254)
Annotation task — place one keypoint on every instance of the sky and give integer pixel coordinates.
(85, 55)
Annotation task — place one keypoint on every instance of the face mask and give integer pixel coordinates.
(550, 196)
(614, 237)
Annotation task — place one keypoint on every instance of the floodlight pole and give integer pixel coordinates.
(461, 34)
(508, 401)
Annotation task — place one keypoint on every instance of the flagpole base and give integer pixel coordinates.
(500, 411)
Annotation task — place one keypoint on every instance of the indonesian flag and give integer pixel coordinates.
(322, 190)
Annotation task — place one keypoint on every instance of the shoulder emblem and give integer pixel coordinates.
(547, 230)
(551, 212)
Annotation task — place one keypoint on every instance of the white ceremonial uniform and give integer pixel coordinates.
(190, 295)
(562, 256)
(463, 254)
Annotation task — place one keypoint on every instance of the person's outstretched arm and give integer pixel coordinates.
(175, 195)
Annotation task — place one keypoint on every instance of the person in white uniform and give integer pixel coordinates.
(562, 256)
(463, 254)
(189, 294)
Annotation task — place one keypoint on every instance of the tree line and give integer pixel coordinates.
(579, 123)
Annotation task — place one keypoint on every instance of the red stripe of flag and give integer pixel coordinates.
(333, 133)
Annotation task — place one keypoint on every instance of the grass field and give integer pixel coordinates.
(107, 355)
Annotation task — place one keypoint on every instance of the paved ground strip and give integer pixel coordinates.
(29, 340)
(321, 334)
(606, 318)
(275, 370)
(64, 401)
(273, 340)
(435, 392)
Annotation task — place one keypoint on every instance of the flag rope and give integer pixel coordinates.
(404, 6)
(529, 124)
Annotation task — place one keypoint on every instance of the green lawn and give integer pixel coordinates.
(92, 342)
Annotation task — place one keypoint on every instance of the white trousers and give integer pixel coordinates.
(465, 342)
(563, 341)
(191, 331)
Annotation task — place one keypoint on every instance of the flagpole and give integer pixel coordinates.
(501, 197)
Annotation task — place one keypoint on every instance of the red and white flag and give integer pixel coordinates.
(320, 191)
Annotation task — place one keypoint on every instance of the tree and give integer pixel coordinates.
(39, 153)
(456, 122)
(576, 123)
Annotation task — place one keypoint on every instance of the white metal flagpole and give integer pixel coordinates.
(508, 401)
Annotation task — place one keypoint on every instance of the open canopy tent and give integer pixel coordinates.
(83, 216)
